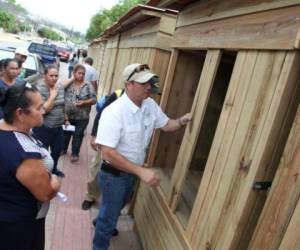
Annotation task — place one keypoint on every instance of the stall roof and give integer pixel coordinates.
(136, 15)
(170, 4)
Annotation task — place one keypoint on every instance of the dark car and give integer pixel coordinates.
(63, 54)
(47, 52)
(33, 66)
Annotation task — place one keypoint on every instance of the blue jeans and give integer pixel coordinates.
(80, 126)
(52, 138)
(116, 191)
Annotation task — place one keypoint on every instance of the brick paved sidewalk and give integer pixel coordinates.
(68, 227)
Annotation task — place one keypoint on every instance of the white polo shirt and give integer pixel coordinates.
(128, 128)
(90, 73)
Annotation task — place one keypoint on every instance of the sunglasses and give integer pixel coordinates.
(26, 86)
(138, 69)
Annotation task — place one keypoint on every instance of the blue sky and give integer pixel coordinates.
(71, 14)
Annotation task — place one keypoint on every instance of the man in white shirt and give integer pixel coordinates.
(124, 133)
(90, 73)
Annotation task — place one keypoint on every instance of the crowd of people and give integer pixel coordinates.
(31, 129)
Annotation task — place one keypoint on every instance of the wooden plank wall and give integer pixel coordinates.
(252, 118)
(275, 29)
(253, 128)
(97, 52)
(153, 215)
(126, 57)
(280, 213)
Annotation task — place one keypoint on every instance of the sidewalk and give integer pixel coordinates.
(68, 227)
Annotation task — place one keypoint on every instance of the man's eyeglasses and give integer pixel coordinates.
(138, 69)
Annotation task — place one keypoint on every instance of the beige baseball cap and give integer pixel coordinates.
(137, 72)
(21, 51)
(140, 73)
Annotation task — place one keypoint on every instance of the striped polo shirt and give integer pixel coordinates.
(55, 117)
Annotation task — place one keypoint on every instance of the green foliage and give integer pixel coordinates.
(17, 7)
(105, 18)
(50, 34)
(7, 20)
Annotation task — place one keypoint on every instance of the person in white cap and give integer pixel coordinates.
(124, 132)
(21, 56)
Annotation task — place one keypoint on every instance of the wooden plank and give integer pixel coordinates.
(110, 71)
(231, 94)
(149, 26)
(251, 150)
(163, 103)
(285, 191)
(150, 40)
(224, 137)
(167, 24)
(184, 87)
(104, 72)
(161, 231)
(192, 131)
(276, 29)
(291, 239)
(215, 10)
(297, 42)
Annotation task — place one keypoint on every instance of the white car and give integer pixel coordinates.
(34, 67)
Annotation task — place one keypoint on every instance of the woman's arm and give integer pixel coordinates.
(48, 105)
(35, 177)
(88, 102)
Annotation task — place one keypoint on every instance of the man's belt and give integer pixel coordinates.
(108, 168)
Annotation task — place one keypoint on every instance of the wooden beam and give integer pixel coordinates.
(202, 215)
(192, 131)
(163, 104)
(209, 11)
(255, 141)
(291, 239)
(276, 29)
(285, 191)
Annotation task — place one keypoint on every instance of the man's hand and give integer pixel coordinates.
(93, 143)
(149, 176)
(183, 120)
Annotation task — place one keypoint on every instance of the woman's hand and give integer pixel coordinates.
(55, 182)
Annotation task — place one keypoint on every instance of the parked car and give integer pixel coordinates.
(34, 67)
(63, 54)
(47, 52)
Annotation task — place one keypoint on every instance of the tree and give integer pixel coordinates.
(104, 18)
(50, 34)
(6, 20)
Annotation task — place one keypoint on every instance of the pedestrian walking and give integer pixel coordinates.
(124, 132)
(72, 62)
(90, 73)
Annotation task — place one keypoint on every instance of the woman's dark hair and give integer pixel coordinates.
(78, 67)
(7, 61)
(15, 97)
(49, 67)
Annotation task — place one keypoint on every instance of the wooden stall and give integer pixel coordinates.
(96, 50)
(142, 35)
(230, 179)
